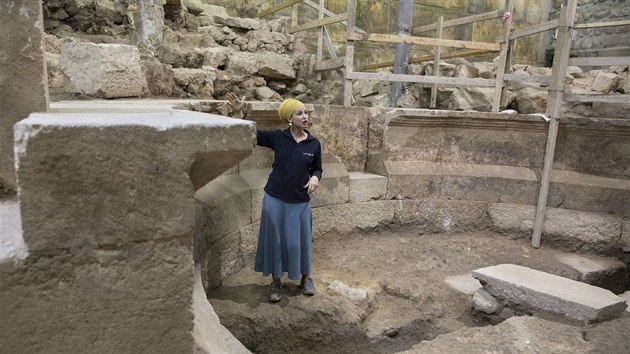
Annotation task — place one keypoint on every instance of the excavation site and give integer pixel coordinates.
(425, 176)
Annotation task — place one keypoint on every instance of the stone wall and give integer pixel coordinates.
(598, 42)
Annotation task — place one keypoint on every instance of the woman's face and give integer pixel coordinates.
(299, 118)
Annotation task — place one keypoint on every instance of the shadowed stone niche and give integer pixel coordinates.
(108, 216)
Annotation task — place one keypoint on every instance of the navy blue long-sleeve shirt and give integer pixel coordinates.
(293, 164)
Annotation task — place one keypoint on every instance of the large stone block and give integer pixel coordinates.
(23, 81)
(435, 215)
(103, 70)
(538, 291)
(367, 186)
(109, 217)
(350, 216)
(103, 179)
(571, 230)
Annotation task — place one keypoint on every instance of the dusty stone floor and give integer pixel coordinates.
(408, 304)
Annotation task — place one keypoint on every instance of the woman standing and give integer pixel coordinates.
(285, 236)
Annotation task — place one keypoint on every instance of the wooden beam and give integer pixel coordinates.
(554, 105)
(460, 21)
(537, 79)
(330, 13)
(347, 84)
(524, 32)
(504, 59)
(602, 24)
(278, 7)
(330, 64)
(597, 98)
(390, 38)
(445, 81)
(424, 58)
(436, 65)
(319, 23)
(320, 37)
(599, 61)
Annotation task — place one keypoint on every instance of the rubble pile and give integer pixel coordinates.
(203, 52)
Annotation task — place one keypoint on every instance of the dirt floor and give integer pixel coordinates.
(385, 291)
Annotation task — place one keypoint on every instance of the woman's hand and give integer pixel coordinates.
(312, 184)
(237, 104)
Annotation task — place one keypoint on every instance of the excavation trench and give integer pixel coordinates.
(380, 291)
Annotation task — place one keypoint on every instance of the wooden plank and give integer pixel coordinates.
(460, 21)
(278, 7)
(422, 59)
(258, 4)
(330, 13)
(445, 81)
(319, 23)
(537, 79)
(597, 98)
(499, 89)
(330, 64)
(554, 104)
(524, 32)
(602, 24)
(436, 64)
(347, 85)
(599, 61)
(295, 12)
(320, 37)
(452, 43)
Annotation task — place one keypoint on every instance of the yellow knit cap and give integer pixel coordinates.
(287, 107)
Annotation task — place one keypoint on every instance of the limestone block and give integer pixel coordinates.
(434, 215)
(366, 186)
(536, 290)
(463, 283)
(483, 301)
(238, 22)
(569, 229)
(334, 188)
(468, 99)
(23, 81)
(626, 297)
(347, 217)
(529, 100)
(12, 246)
(265, 93)
(103, 70)
(625, 236)
(466, 71)
(356, 295)
(607, 273)
(104, 171)
(605, 82)
(344, 132)
(215, 57)
(242, 64)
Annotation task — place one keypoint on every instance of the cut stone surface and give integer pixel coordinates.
(103, 70)
(12, 246)
(606, 273)
(464, 283)
(366, 186)
(536, 290)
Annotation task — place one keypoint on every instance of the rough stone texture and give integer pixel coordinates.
(483, 301)
(103, 70)
(356, 295)
(12, 246)
(348, 217)
(533, 290)
(605, 82)
(149, 22)
(570, 230)
(366, 186)
(442, 215)
(111, 265)
(196, 83)
(23, 83)
(334, 188)
(626, 297)
(463, 283)
(517, 334)
(606, 273)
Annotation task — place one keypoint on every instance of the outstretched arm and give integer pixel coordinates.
(236, 104)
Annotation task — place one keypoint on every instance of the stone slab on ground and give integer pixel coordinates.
(464, 283)
(538, 290)
(607, 273)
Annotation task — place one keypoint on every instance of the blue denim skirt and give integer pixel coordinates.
(285, 239)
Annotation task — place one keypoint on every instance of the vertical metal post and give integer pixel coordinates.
(401, 60)
(554, 103)
(347, 87)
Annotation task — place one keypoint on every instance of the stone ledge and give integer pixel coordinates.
(536, 290)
